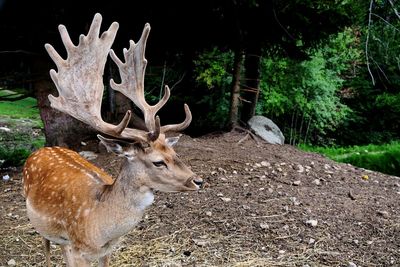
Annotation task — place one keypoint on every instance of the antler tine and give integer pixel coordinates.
(181, 126)
(79, 79)
(132, 73)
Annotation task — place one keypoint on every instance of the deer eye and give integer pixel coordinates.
(159, 164)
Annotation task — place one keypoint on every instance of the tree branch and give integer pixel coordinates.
(394, 9)
(367, 40)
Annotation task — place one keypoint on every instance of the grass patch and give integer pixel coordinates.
(21, 129)
(23, 108)
(383, 158)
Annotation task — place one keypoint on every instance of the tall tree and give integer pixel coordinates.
(235, 89)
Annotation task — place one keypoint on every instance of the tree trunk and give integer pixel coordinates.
(252, 83)
(235, 89)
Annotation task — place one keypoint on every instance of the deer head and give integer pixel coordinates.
(80, 87)
(158, 163)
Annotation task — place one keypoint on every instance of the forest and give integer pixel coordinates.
(326, 72)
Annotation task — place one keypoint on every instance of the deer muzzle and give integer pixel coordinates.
(194, 183)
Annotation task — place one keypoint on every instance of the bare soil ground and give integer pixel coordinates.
(263, 205)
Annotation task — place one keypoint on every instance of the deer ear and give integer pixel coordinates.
(171, 141)
(110, 144)
(119, 147)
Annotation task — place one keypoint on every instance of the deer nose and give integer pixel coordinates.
(198, 181)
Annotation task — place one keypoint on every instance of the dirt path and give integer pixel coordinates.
(263, 205)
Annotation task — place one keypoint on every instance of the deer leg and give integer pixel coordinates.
(46, 244)
(104, 261)
(69, 256)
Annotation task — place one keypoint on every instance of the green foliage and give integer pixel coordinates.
(212, 75)
(17, 144)
(383, 47)
(377, 104)
(383, 158)
(303, 97)
(212, 68)
(376, 112)
(389, 104)
(14, 157)
(342, 52)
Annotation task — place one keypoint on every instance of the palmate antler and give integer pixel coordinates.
(79, 82)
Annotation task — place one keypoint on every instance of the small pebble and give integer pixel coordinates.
(296, 183)
(265, 164)
(225, 199)
(317, 182)
(383, 213)
(312, 223)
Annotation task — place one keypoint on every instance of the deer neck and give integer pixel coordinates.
(122, 204)
(128, 190)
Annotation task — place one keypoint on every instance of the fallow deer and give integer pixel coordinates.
(70, 201)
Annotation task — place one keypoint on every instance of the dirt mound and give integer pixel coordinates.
(263, 205)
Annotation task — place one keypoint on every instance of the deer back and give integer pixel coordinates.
(61, 188)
